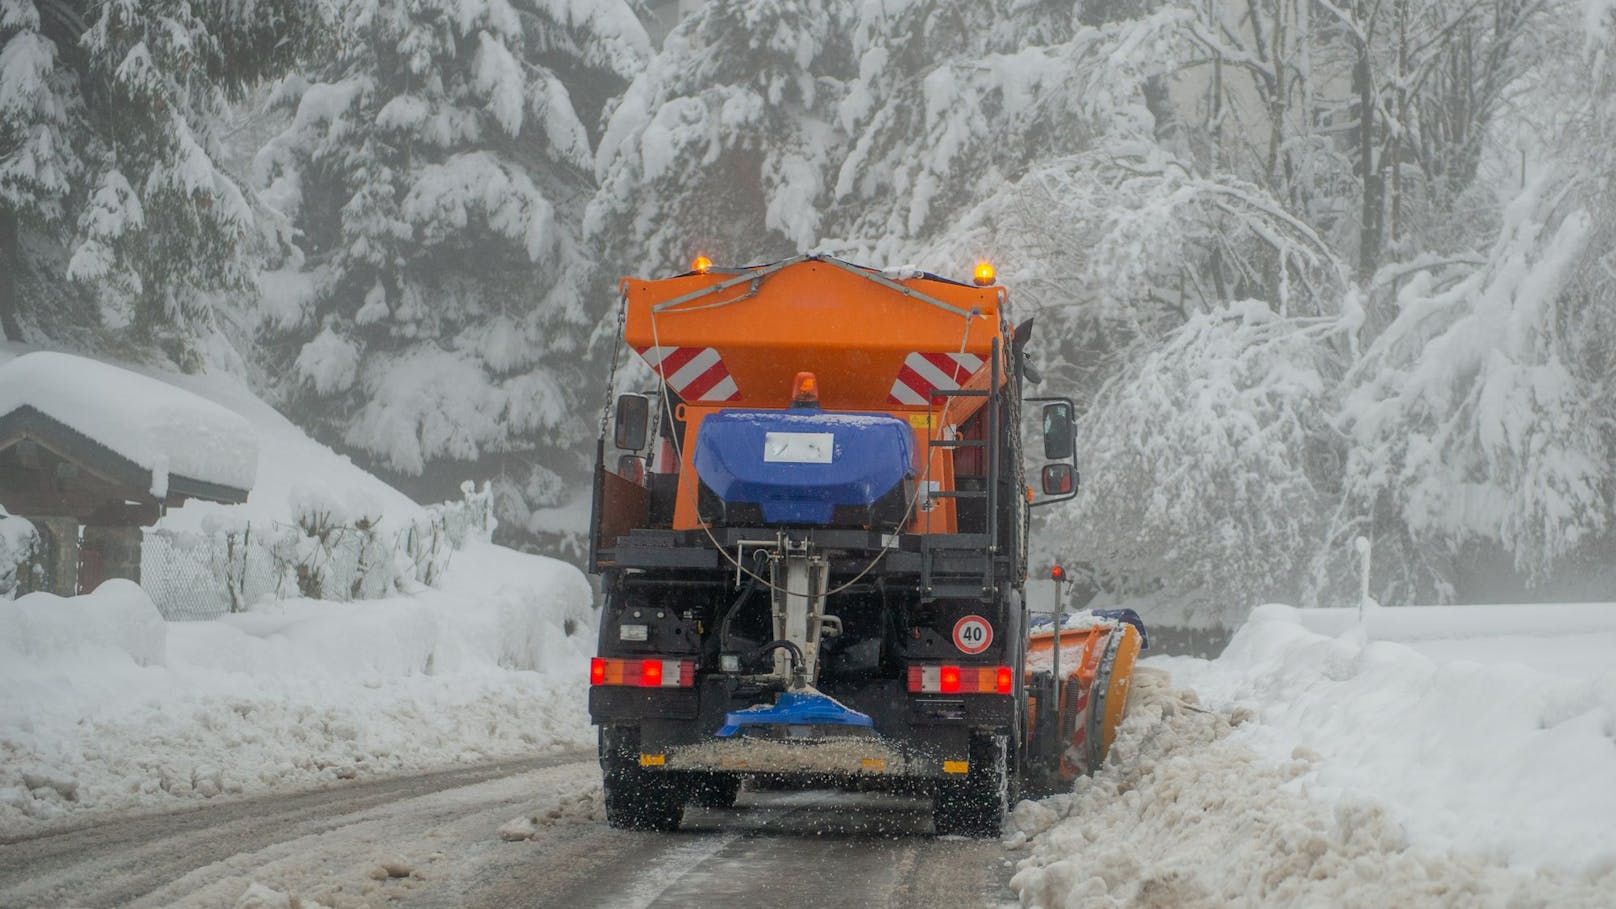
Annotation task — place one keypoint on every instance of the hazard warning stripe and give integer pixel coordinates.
(696, 373)
(924, 373)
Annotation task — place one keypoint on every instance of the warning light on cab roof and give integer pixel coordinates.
(701, 265)
(984, 274)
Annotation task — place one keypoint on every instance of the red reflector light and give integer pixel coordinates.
(934, 679)
(651, 673)
(642, 673)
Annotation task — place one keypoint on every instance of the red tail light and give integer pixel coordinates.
(962, 679)
(642, 673)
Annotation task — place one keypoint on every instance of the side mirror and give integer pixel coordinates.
(1060, 479)
(1059, 432)
(631, 467)
(632, 414)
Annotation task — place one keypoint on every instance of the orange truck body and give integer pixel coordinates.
(857, 336)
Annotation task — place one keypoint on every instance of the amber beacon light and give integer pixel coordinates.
(805, 390)
(701, 265)
(984, 274)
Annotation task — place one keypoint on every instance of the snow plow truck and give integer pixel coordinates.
(811, 538)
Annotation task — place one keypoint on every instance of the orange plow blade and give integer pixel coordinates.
(1096, 670)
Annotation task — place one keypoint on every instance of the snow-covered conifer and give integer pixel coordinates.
(113, 207)
(436, 166)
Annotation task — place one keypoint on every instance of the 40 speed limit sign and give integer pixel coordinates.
(973, 634)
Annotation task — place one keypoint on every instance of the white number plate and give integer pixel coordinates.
(799, 447)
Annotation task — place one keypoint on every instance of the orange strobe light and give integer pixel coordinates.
(805, 390)
(701, 265)
(984, 274)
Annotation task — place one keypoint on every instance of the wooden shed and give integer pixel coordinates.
(88, 499)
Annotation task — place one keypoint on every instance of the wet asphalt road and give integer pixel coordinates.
(440, 835)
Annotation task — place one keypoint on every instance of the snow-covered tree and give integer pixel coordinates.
(1209, 464)
(113, 207)
(764, 129)
(725, 142)
(435, 166)
(1483, 417)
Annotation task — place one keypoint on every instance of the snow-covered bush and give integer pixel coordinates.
(19, 545)
(332, 551)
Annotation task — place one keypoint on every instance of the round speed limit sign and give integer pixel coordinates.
(972, 634)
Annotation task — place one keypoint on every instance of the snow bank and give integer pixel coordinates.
(115, 623)
(1493, 736)
(159, 427)
(102, 707)
(1433, 623)
(1185, 815)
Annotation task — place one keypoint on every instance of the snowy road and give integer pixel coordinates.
(525, 834)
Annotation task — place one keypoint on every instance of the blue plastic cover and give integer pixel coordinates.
(1127, 616)
(777, 459)
(795, 708)
(1041, 623)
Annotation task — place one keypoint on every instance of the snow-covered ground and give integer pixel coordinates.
(103, 705)
(1473, 764)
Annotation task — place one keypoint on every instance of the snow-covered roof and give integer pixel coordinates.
(163, 430)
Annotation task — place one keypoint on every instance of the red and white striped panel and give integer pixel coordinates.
(696, 373)
(924, 373)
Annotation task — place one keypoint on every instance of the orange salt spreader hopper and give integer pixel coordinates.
(856, 328)
(876, 342)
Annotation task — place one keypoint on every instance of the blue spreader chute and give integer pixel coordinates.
(795, 708)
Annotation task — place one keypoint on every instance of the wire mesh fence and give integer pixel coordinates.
(194, 576)
(203, 575)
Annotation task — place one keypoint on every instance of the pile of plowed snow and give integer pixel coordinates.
(1481, 727)
(1185, 815)
(103, 705)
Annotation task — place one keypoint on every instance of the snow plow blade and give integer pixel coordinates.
(1096, 672)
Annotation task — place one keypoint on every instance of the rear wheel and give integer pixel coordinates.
(636, 798)
(975, 806)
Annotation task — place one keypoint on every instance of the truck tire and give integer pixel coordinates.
(715, 790)
(976, 805)
(636, 798)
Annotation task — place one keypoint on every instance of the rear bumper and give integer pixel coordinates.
(841, 756)
(916, 736)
